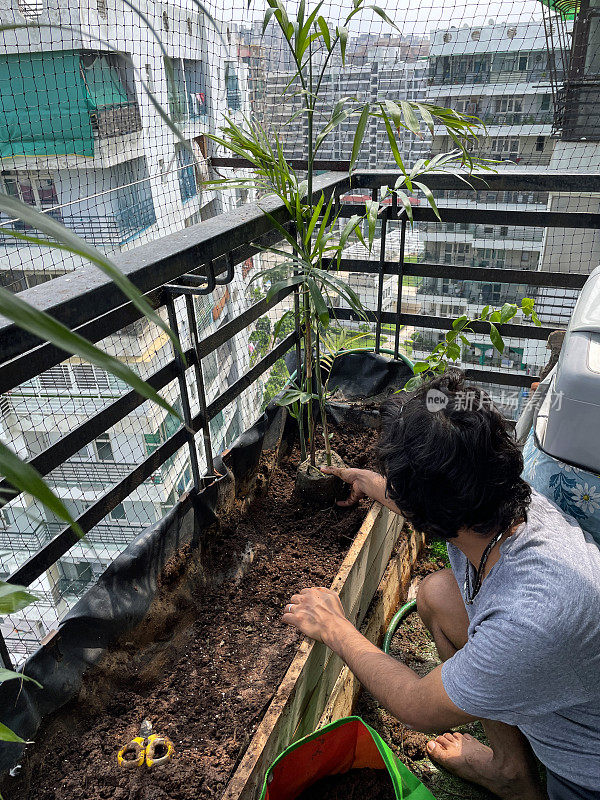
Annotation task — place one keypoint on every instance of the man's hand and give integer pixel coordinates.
(360, 479)
(318, 613)
(365, 483)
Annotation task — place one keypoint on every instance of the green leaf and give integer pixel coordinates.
(343, 37)
(495, 316)
(25, 478)
(460, 323)
(324, 32)
(527, 304)
(406, 204)
(49, 329)
(420, 366)
(69, 241)
(266, 19)
(278, 325)
(295, 280)
(410, 118)
(372, 212)
(319, 303)
(497, 340)
(430, 198)
(9, 675)
(426, 115)
(359, 135)
(507, 312)
(380, 12)
(13, 598)
(413, 383)
(6, 735)
(453, 351)
(535, 318)
(485, 312)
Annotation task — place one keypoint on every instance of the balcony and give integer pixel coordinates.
(104, 231)
(172, 273)
(116, 120)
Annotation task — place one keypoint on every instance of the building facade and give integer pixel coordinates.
(82, 140)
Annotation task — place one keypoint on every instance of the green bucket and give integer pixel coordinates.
(345, 744)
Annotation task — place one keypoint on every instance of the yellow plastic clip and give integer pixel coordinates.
(133, 754)
(159, 750)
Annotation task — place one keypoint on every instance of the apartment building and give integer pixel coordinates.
(82, 141)
(500, 73)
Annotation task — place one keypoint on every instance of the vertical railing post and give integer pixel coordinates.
(191, 313)
(399, 292)
(384, 221)
(183, 390)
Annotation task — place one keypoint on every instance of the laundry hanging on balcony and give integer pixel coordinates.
(44, 106)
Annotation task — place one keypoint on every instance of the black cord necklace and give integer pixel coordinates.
(471, 594)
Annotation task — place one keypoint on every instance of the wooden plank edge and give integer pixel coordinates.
(392, 592)
(268, 740)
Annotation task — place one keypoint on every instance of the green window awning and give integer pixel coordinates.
(103, 84)
(44, 105)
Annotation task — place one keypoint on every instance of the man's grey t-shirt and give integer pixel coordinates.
(532, 658)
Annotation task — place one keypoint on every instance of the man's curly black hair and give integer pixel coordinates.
(456, 467)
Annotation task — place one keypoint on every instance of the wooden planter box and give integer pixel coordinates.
(318, 687)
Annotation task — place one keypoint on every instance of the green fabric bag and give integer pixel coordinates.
(345, 744)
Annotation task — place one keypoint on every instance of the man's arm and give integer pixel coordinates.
(365, 483)
(421, 703)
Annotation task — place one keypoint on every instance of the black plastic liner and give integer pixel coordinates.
(124, 593)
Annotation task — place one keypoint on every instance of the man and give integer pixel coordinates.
(516, 621)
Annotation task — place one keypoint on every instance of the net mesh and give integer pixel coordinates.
(83, 141)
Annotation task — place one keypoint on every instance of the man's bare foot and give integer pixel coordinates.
(463, 755)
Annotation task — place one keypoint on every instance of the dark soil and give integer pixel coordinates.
(204, 665)
(357, 784)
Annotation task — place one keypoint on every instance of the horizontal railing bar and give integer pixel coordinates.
(490, 216)
(55, 455)
(498, 376)
(521, 219)
(443, 323)
(62, 542)
(57, 547)
(83, 294)
(330, 165)
(32, 362)
(219, 403)
(548, 280)
(504, 180)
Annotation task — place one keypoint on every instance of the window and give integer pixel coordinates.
(525, 256)
(185, 169)
(31, 8)
(35, 189)
(118, 513)
(232, 86)
(522, 63)
(149, 77)
(165, 21)
(104, 449)
(504, 230)
(4, 518)
(102, 8)
(539, 144)
(545, 104)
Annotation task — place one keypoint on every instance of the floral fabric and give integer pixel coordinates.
(574, 490)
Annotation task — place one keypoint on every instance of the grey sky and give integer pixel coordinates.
(410, 17)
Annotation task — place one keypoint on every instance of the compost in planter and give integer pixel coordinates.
(356, 784)
(204, 664)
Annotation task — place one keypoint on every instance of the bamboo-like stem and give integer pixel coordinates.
(308, 372)
(320, 392)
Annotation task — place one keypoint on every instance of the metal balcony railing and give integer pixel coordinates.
(116, 120)
(173, 270)
(100, 230)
